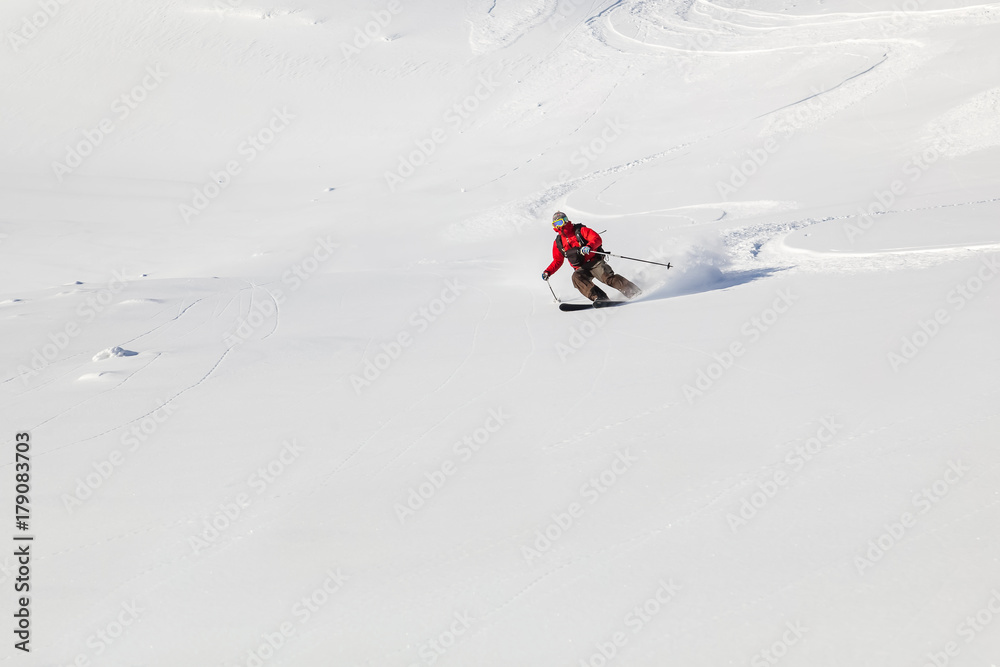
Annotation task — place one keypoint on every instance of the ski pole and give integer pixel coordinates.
(553, 292)
(598, 252)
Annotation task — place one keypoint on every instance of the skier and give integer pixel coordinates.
(577, 244)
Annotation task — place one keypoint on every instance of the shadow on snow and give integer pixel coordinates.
(706, 279)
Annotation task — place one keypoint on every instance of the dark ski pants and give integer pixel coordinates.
(583, 279)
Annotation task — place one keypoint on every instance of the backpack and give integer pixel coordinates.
(573, 254)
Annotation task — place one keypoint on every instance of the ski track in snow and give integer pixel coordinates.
(220, 304)
(169, 565)
(96, 397)
(512, 217)
(770, 32)
(759, 246)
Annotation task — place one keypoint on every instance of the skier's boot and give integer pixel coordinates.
(625, 286)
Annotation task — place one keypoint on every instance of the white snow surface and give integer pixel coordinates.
(297, 395)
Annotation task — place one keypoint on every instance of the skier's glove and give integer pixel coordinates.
(585, 250)
(545, 275)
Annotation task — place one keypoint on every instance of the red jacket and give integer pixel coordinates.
(570, 243)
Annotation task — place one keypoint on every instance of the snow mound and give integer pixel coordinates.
(113, 352)
(134, 302)
(104, 375)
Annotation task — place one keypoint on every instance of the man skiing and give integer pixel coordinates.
(577, 244)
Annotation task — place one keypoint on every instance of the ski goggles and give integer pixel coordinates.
(559, 222)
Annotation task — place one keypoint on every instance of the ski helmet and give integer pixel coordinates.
(559, 219)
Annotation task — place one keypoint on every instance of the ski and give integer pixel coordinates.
(587, 306)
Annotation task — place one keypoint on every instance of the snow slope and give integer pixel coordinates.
(297, 395)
